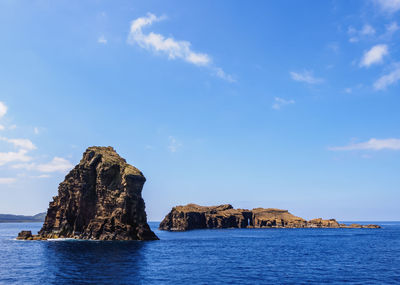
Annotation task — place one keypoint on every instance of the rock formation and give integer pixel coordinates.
(192, 216)
(25, 235)
(99, 199)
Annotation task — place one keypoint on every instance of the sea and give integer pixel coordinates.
(218, 256)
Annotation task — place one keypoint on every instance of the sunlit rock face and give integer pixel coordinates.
(100, 199)
(192, 216)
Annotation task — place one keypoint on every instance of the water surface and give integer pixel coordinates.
(228, 256)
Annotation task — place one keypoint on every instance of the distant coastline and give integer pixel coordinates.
(9, 218)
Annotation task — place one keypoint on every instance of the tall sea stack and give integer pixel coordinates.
(100, 199)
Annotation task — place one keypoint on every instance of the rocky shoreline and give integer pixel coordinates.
(192, 216)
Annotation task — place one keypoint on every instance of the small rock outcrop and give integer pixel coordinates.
(25, 235)
(99, 199)
(192, 216)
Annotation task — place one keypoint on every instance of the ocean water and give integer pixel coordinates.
(228, 256)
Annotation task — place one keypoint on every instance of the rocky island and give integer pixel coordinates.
(100, 199)
(192, 216)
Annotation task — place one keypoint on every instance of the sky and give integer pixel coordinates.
(281, 104)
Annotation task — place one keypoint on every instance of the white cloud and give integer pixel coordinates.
(36, 130)
(3, 109)
(174, 144)
(390, 6)
(20, 143)
(392, 28)
(384, 81)
(7, 157)
(2, 127)
(174, 49)
(157, 42)
(372, 144)
(102, 40)
(374, 55)
(279, 103)
(7, 180)
(221, 74)
(12, 127)
(367, 30)
(305, 76)
(58, 164)
(355, 35)
(41, 176)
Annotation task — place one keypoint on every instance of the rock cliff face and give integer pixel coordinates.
(192, 216)
(99, 199)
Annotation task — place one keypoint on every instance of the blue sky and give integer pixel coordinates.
(284, 104)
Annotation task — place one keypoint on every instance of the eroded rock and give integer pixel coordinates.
(192, 216)
(25, 235)
(99, 199)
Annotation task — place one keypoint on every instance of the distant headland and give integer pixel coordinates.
(192, 216)
(9, 218)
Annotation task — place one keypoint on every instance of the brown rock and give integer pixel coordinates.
(320, 223)
(99, 199)
(192, 216)
(358, 226)
(24, 235)
(276, 218)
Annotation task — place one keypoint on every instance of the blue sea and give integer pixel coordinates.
(228, 256)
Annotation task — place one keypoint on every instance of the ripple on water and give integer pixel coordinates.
(238, 256)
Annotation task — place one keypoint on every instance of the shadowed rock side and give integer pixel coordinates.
(192, 216)
(99, 199)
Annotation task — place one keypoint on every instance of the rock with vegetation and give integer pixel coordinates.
(192, 216)
(100, 199)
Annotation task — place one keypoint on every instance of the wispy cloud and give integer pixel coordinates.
(21, 160)
(7, 180)
(20, 143)
(392, 28)
(221, 74)
(2, 127)
(24, 146)
(174, 144)
(20, 156)
(58, 164)
(372, 144)
(388, 79)
(174, 49)
(3, 109)
(389, 6)
(365, 31)
(374, 55)
(102, 40)
(280, 102)
(305, 76)
(41, 176)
